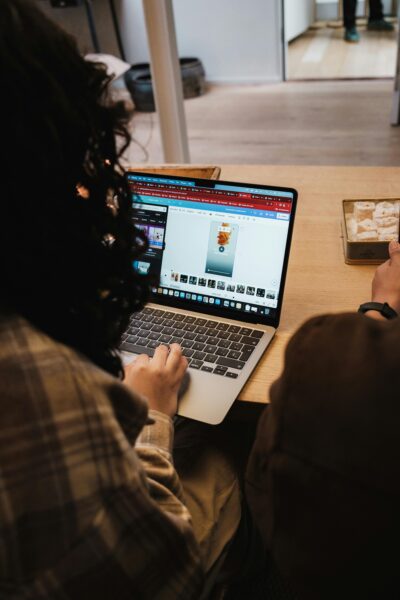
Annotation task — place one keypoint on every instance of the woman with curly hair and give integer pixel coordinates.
(90, 503)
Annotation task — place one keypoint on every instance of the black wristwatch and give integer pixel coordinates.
(387, 311)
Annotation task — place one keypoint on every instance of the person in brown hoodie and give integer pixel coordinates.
(323, 479)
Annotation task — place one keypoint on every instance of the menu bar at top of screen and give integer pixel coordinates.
(210, 197)
(216, 186)
(145, 178)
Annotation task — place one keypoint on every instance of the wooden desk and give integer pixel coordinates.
(318, 280)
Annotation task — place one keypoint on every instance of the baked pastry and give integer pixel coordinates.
(392, 230)
(365, 225)
(367, 236)
(386, 221)
(363, 210)
(385, 209)
(351, 227)
(387, 237)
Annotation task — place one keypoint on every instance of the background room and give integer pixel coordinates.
(304, 97)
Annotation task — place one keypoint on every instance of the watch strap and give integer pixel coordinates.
(387, 311)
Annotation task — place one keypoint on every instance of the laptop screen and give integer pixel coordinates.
(214, 246)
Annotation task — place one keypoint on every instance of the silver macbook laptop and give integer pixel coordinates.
(217, 254)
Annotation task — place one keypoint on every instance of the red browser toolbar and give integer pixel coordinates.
(220, 197)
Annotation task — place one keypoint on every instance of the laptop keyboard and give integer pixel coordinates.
(212, 346)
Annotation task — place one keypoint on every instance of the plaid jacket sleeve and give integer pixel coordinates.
(83, 514)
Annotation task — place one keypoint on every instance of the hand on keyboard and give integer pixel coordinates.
(215, 347)
(158, 379)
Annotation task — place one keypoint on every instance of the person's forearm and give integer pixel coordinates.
(158, 434)
(154, 448)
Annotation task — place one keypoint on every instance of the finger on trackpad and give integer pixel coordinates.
(185, 384)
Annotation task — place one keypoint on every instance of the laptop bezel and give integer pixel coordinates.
(211, 309)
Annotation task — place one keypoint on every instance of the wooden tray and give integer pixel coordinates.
(359, 252)
(197, 171)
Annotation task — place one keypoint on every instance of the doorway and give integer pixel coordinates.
(316, 49)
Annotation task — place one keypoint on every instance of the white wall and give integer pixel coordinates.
(238, 42)
(299, 16)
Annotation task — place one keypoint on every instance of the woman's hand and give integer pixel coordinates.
(386, 282)
(158, 379)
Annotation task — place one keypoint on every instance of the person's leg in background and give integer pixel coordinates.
(349, 13)
(375, 10)
(376, 22)
(349, 21)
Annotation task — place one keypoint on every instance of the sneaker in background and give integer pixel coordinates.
(379, 25)
(351, 35)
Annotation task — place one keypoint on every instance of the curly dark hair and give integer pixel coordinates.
(66, 259)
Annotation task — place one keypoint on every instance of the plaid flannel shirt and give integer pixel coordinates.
(88, 507)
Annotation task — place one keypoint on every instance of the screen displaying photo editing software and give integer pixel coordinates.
(222, 245)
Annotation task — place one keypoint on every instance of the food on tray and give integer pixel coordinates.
(367, 236)
(385, 209)
(373, 221)
(365, 225)
(363, 210)
(386, 221)
(386, 237)
(393, 231)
